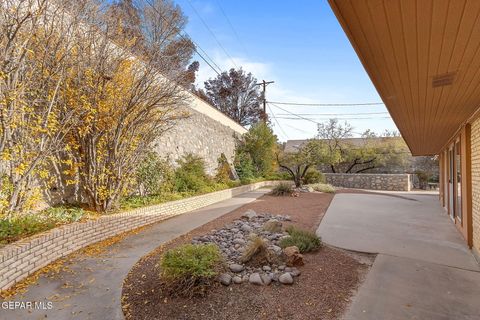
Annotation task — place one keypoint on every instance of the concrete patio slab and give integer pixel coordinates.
(400, 224)
(402, 288)
(91, 288)
(423, 270)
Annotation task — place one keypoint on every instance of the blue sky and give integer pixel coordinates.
(299, 45)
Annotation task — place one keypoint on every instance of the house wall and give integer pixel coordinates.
(475, 165)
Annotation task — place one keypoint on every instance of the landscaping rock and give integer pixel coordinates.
(234, 267)
(249, 214)
(265, 279)
(295, 272)
(237, 280)
(255, 279)
(273, 225)
(225, 279)
(286, 278)
(293, 256)
(266, 268)
(246, 228)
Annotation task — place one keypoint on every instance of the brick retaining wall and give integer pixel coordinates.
(376, 181)
(20, 259)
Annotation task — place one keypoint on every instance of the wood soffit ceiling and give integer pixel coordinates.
(423, 58)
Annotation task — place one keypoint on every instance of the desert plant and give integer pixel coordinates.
(282, 189)
(313, 176)
(323, 187)
(304, 240)
(189, 270)
(256, 253)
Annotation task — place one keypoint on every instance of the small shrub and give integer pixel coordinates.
(23, 226)
(282, 189)
(256, 253)
(189, 270)
(154, 175)
(306, 241)
(190, 176)
(223, 170)
(313, 176)
(244, 166)
(278, 175)
(323, 187)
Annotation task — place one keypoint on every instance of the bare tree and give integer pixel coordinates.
(36, 39)
(124, 104)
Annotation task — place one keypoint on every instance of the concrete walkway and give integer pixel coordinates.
(93, 289)
(424, 270)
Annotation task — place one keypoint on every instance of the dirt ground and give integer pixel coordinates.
(323, 291)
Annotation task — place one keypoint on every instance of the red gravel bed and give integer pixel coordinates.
(323, 290)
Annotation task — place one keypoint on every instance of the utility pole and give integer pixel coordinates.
(264, 85)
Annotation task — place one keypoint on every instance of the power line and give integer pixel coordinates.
(212, 33)
(328, 104)
(233, 29)
(189, 38)
(296, 115)
(279, 126)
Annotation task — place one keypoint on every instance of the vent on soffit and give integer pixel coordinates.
(441, 80)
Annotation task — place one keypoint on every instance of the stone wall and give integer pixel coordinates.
(392, 182)
(475, 152)
(22, 258)
(206, 132)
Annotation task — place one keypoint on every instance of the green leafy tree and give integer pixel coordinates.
(261, 145)
(349, 155)
(297, 163)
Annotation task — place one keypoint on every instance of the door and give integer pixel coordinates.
(458, 182)
(451, 182)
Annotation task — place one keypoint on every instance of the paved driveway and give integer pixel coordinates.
(424, 270)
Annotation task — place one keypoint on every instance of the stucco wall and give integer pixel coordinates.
(392, 182)
(206, 132)
(475, 151)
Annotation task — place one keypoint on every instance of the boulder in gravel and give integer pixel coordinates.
(225, 279)
(234, 267)
(265, 279)
(255, 279)
(293, 257)
(295, 272)
(249, 214)
(246, 228)
(273, 225)
(237, 279)
(286, 278)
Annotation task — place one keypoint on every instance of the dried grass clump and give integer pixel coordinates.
(257, 253)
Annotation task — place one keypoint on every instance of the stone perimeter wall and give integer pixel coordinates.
(206, 133)
(22, 258)
(391, 182)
